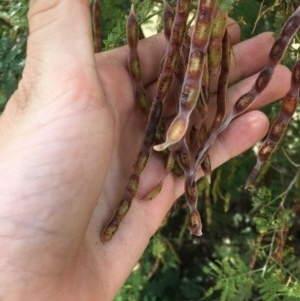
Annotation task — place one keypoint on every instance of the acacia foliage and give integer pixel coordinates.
(251, 242)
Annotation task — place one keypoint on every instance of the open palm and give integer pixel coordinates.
(69, 137)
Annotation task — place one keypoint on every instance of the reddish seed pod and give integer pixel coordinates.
(134, 65)
(277, 51)
(222, 83)
(190, 190)
(184, 160)
(244, 102)
(278, 128)
(290, 28)
(215, 43)
(168, 18)
(195, 223)
(163, 85)
(263, 79)
(203, 100)
(192, 82)
(96, 25)
(132, 29)
(179, 146)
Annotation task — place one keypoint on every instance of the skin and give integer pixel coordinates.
(69, 135)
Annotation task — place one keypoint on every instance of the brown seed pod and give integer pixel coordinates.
(288, 31)
(216, 41)
(163, 86)
(96, 12)
(192, 82)
(222, 83)
(183, 157)
(185, 145)
(134, 65)
(278, 128)
(168, 19)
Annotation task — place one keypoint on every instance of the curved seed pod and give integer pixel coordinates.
(121, 211)
(222, 83)
(205, 164)
(215, 44)
(206, 168)
(169, 167)
(290, 28)
(195, 223)
(203, 100)
(132, 30)
(96, 25)
(193, 76)
(221, 101)
(288, 31)
(184, 160)
(132, 186)
(168, 19)
(163, 85)
(277, 130)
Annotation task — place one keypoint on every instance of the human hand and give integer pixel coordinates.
(69, 136)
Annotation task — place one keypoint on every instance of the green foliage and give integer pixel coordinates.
(233, 279)
(251, 242)
(114, 29)
(13, 35)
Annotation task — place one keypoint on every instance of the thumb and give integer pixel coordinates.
(58, 29)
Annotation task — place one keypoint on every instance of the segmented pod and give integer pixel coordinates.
(278, 128)
(172, 55)
(278, 49)
(134, 65)
(96, 25)
(214, 52)
(191, 63)
(192, 82)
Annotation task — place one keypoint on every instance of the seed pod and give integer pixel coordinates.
(195, 223)
(96, 25)
(205, 164)
(193, 77)
(110, 229)
(132, 29)
(206, 168)
(169, 167)
(278, 128)
(203, 99)
(222, 83)
(278, 49)
(215, 43)
(168, 19)
(163, 85)
(288, 31)
(184, 160)
(202, 157)
(134, 65)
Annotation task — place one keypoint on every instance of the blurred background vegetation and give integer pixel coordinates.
(250, 249)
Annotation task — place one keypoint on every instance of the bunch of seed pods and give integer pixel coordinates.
(191, 62)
